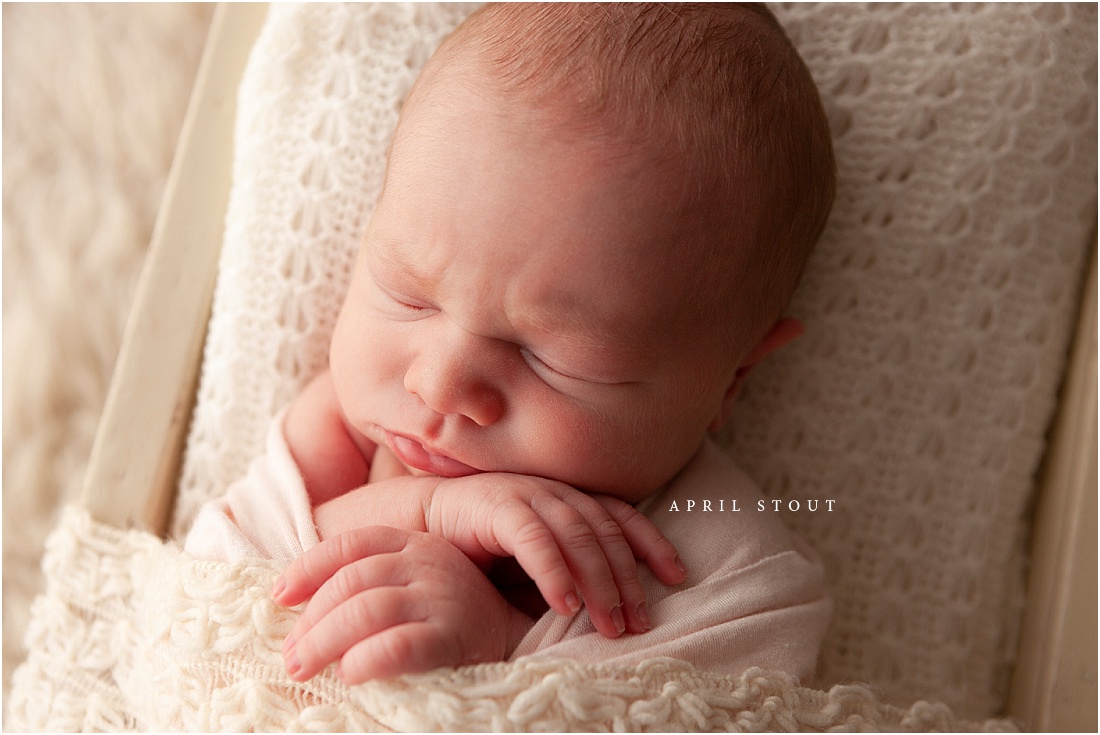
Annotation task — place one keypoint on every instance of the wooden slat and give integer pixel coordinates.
(132, 471)
(1054, 686)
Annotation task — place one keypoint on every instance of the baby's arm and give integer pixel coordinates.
(330, 455)
(387, 602)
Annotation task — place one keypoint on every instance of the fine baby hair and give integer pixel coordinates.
(715, 89)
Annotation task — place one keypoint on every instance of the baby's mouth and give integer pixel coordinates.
(417, 456)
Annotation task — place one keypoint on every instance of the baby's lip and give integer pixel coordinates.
(421, 457)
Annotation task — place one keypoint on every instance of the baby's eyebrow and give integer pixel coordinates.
(398, 262)
(616, 342)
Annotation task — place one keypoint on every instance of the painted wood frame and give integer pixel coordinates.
(134, 463)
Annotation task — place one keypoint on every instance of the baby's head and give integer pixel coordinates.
(592, 219)
(710, 101)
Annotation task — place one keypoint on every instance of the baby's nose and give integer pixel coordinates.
(455, 377)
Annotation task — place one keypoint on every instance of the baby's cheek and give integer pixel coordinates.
(584, 450)
(368, 379)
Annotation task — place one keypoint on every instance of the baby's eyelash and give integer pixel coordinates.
(530, 357)
(410, 307)
(538, 364)
(541, 366)
(403, 302)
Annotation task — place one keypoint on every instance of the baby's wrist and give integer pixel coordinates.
(400, 502)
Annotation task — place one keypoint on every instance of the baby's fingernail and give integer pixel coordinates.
(643, 615)
(572, 602)
(278, 589)
(680, 565)
(293, 666)
(617, 619)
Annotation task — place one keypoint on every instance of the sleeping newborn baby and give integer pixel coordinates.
(592, 219)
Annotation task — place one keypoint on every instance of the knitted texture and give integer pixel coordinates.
(938, 305)
(133, 635)
(318, 102)
(938, 309)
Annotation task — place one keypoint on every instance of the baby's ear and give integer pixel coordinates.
(782, 332)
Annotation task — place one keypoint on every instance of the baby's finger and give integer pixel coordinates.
(410, 648)
(620, 560)
(361, 575)
(519, 532)
(646, 540)
(587, 560)
(308, 572)
(362, 616)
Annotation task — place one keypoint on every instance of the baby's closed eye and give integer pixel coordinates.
(402, 305)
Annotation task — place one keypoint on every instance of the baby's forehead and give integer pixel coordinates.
(703, 250)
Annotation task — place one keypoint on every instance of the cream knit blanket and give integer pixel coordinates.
(133, 635)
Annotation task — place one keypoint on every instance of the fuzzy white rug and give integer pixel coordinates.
(94, 96)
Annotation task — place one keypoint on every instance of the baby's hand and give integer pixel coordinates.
(567, 542)
(388, 602)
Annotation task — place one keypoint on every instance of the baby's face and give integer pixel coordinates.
(530, 305)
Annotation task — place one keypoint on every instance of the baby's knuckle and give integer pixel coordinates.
(631, 589)
(640, 526)
(346, 583)
(608, 530)
(579, 534)
(532, 533)
(618, 509)
(524, 489)
(396, 651)
(354, 618)
(344, 546)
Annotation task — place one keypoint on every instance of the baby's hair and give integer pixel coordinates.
(716, 85)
